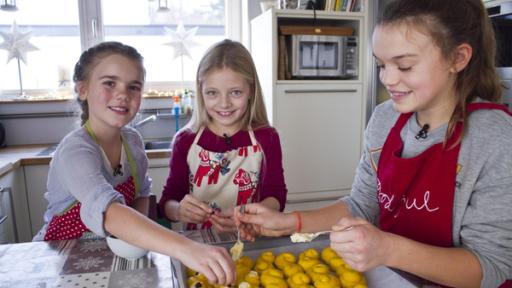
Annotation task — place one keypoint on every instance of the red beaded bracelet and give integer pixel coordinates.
(298, 224)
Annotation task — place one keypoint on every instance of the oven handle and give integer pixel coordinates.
(4, 217)
(500, 9)
(8, 190)
(320, 91)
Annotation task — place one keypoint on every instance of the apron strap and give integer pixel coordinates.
(198, 135)
(253, 138)
(131, 161)
(133, 167)
(482, 105)
(249, 129)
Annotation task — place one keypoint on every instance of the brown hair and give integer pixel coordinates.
(451, 23)
(232, 55)
(91, 57)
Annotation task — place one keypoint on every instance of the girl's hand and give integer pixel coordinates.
(261, 220)
(212, 261)
(193, 210)
(223, 221)
(362, 245)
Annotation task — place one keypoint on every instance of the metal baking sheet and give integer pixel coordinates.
(381, 277)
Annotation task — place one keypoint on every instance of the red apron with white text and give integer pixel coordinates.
(416, 194)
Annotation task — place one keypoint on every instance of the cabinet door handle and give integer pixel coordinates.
(8, 190)
(94, 25)
(320, 91)
(4, 217)
(311, 200)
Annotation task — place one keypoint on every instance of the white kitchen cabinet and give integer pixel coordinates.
(321, 131)
(15, 226)
(158, 171)
(320, 121)
(36, 177)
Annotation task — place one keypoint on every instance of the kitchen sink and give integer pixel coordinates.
(153, 145)
(148, 145)
(48, 151)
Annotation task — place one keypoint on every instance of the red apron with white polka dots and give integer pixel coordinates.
(69, 225)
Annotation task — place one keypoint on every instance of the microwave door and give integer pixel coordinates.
(319, 58)
(309, 58)
(329, 54)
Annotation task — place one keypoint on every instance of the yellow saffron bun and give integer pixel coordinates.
(328, 253)
(291, 269)
(327, 281)
(284, 258)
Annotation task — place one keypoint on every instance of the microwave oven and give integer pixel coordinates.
(324, 56)
(501, 18)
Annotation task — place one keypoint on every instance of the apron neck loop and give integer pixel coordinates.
(131, 161)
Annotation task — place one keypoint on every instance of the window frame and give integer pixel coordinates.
(92, 33)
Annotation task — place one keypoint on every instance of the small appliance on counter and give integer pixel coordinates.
(317, 52)
(2, 136)
(500, 13)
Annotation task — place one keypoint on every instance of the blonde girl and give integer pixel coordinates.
(228, 154)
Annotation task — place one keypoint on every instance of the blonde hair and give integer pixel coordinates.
(232, 55)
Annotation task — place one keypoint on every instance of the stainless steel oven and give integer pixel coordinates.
(501, 17)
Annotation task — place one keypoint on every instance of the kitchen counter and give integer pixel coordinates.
(14, 156)
(80, 263)
(90, 263)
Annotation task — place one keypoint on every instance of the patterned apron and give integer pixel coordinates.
(416, 194)
(69, 225)
(231, 177)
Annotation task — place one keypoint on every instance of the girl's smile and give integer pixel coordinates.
(398, 96)
(120, 110)
(226, 97)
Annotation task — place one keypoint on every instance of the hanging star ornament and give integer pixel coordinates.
(17, 43)
(181, 41)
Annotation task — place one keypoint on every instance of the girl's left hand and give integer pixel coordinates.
(361, 245)
(223, 221)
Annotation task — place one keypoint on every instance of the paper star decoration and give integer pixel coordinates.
(17, 43)
(182, 41)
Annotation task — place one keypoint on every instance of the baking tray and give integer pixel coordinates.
(381, 276)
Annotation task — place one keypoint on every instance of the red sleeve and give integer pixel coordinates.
(177, 184)
(272, 173)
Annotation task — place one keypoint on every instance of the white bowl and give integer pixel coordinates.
(124, 249)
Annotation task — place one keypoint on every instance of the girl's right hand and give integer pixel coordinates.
(261, 220)
(193, 210)
(212, 261)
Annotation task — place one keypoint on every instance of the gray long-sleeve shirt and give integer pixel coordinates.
(79, 171)
(482, 219)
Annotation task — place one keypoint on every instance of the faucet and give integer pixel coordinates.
(145, 121)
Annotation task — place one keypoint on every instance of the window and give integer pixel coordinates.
(145, 24)
(56, 38)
